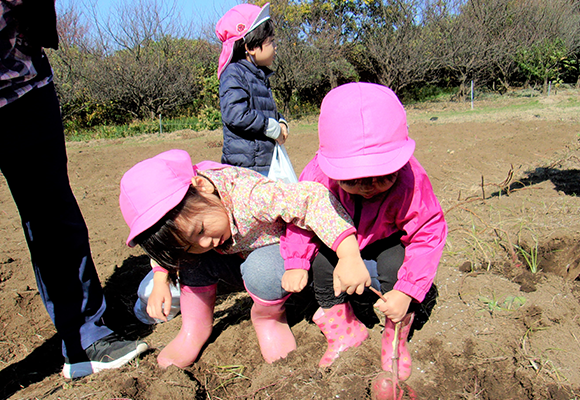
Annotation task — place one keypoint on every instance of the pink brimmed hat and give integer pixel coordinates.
(151, 188)
(234, 25)
(362, 132)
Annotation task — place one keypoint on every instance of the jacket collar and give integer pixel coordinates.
(263, 72)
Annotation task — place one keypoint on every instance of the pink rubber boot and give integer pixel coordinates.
(404, 361)
(274, 335)
(197, 304)
(342, 330)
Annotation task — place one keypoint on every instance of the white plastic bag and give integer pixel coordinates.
(144, 292)
(281, 167)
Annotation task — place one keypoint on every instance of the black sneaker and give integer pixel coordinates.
(109, 352)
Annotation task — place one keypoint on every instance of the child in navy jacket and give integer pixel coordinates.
(251, 122)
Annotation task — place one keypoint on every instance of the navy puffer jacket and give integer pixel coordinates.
(246, 103)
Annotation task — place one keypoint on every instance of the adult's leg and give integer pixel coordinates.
(33, 160)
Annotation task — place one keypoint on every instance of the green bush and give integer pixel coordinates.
(422, 93)
(135, 128)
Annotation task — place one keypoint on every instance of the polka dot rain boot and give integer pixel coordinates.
(404, 359)
(342, 330)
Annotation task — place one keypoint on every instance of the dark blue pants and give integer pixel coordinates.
(34, 162)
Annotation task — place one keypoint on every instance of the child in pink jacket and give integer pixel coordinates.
(366, 160)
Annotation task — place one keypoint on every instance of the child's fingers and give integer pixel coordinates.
(155, 312)
(360, 289)
(166, 308)
(337, 284)
(381, 306)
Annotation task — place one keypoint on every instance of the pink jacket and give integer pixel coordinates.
(409, 206)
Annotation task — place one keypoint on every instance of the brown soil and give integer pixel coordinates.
(508, 176)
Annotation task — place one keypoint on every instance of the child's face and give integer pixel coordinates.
(204, 231)
(369, 187)
(265, 56)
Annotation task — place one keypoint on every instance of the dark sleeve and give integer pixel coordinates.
(37, 20)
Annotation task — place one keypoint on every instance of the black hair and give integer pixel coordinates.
(253, 39)
(163, 241)
(379, 180)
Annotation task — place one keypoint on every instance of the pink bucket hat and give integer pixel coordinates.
(152, 187)
(362, 130)
(234, 25)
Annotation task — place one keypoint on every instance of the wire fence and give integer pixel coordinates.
(171, 125)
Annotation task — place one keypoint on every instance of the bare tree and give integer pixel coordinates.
(494, 40)
(310, 60)
(69, 61)
(147, 64)
(398, 49)
(549, 35)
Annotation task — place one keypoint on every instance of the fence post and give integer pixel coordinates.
(472, 95)
(160, 125)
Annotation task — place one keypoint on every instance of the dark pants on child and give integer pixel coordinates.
(389, 254)
(210, 268)
(33, 160)
(260, 273)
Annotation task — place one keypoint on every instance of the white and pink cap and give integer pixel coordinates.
(234, 25)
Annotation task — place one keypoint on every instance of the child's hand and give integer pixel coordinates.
(283, 134)
(294, 280)
(159, 303)
(350, 276)
(396, 306)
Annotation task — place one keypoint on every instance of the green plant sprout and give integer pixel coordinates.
(531, 257)
(510, 303)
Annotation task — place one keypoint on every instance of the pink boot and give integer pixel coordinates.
(274, 335)
(404, 359)
(197, 305)
(342, 330)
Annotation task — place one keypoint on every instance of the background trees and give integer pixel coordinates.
(145, 61)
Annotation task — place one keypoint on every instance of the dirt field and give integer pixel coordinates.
(508, 177)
